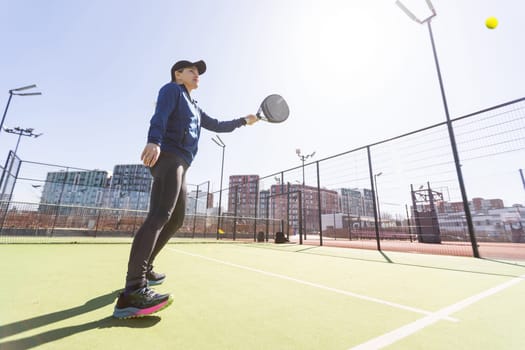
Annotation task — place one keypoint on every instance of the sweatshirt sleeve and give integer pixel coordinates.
(213, 124)
(166, 104)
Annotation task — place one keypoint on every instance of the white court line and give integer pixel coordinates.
(316, 285)
(411, 328)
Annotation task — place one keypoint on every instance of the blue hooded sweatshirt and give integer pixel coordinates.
(176, 124)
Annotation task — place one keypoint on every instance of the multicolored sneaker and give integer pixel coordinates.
(154, 278)
(141, 302)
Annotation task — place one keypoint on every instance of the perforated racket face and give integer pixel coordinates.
(275, 109)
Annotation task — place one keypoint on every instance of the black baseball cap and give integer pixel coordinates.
(201, 67)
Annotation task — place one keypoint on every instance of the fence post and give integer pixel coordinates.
(235, 212)
(255, 215)
(267, 217)
(300, 193)
(98, 219)
(319, 205)
(288, 210)
(195, 211)
(3, 184)
(374, 203)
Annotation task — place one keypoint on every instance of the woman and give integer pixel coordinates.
(172, 145)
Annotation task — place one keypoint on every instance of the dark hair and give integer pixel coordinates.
(173, 80)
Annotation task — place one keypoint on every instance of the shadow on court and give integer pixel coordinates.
(386, 257)
(56, 334)
(514, 263)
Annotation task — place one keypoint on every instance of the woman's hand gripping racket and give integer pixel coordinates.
(273, 109)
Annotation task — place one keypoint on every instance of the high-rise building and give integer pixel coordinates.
(356, 202)
(264, 197)
(477, 205)
(349, 201)
(480, 204)
(130, 187)
(242, 195)
(78, 188)
(284, 204)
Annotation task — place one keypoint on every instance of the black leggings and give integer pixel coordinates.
(165, 217)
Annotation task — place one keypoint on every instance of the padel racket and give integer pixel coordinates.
(273, 109)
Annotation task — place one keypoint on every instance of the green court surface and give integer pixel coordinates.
(261, 296)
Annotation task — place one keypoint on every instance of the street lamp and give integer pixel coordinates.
(452, 137)
(377, 197)
(21, 132)
(303, 158)
(221, 144)
(15, 92)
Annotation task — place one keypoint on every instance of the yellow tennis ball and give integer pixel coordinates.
(491, 22)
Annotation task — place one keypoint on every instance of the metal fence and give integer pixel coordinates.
(401, 194)
(32, 222)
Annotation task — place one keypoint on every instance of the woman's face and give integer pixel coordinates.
(189, 77)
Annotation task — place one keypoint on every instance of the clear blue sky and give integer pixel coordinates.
(354, 72)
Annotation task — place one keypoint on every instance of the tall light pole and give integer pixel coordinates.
(15, 92)
(452, 137)
(21, 132)
(303, 158)
(221, 144)
(377, 197)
